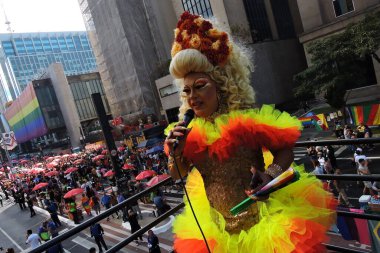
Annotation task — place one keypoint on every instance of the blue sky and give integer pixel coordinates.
(41, 15)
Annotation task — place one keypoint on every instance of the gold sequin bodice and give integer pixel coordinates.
(225, 182)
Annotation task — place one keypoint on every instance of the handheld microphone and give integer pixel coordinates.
(187, 118)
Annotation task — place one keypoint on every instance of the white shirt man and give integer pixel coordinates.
(34, 240)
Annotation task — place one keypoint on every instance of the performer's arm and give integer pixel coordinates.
(182, 164)
(177, 135)
(283, 158)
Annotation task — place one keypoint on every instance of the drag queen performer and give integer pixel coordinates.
(227, 141)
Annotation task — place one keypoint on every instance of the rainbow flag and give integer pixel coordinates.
(368, 114)
(319, 121)
(25, 116)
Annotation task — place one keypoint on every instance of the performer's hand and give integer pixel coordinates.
(178, 131)
(259, 180)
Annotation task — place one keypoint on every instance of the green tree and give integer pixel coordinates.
(340, 62)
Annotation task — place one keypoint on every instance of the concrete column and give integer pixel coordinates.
(272, 21)
(66, 102)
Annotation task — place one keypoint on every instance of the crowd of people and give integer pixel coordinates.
(324, 161)
(48, 181)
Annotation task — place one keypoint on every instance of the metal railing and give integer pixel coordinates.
(99, 217)
(172, 211)
(337, 142)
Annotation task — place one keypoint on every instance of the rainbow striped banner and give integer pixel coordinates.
(25, 116)
(318, 120)
(368, 114)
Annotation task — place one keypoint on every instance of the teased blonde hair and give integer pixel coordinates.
(233, 78)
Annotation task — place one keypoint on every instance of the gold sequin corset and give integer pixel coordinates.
(225, 182)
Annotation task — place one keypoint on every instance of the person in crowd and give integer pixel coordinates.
(363, 170)
(106, 202)
(30, 205)
(135, 226)
(32, 239)
(330, 154)
(94, 202)
(376, 187)
(86, 204)
(339, 186)
(43, 231)
(318, 169)
(136, 208)
(53, 208)
(347, 132)
(73, 210)
(153, 242)
(124, 210)
(114, 203)
(312, 152)
(360, 130)
(21, 199)
(1, 200)
(97, 232)
(92, 250)
(321, 159)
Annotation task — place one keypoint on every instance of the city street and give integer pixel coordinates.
(15, 222)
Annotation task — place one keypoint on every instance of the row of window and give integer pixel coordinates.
(36, 45)
(199, 7)
(84, 89)
(82, 96)
(25, 67)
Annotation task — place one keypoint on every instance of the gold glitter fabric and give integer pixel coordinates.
(225, 183)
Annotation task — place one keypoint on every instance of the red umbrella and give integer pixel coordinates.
(98, 157)
(39, 164)
(39, 186)
(145, 174)
(155, 180)
(52, 173)
(71, 169)
(128, 166)
(109, 173)
(23, 161)
(52, 165)
(50, 158)
(79, 161)
(73, 192)
(104, 152)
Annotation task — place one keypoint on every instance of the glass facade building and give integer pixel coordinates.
(27, 55)
(82, 87)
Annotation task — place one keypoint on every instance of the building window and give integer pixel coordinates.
(283, 18)
(199, 7)
(342, 7)
(168, 90)
(258, 20)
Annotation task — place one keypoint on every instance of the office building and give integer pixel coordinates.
(320, 19)
(25, 56)
(132, 42)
